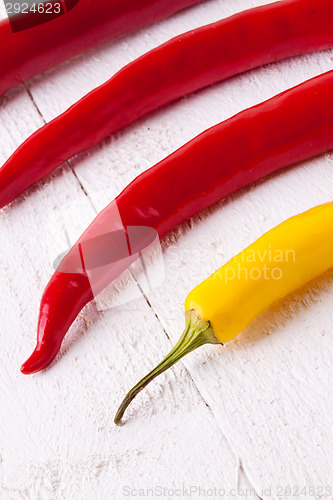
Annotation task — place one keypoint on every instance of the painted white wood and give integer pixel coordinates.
(250, 418)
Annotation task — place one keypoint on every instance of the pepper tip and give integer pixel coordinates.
(26, 370)
(36, 362)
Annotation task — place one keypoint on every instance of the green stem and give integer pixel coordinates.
(197, 333)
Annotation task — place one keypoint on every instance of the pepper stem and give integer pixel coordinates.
(197, 333)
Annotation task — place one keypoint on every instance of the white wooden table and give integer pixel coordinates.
(245, 420)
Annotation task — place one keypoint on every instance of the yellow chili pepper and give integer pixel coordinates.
(279, 262)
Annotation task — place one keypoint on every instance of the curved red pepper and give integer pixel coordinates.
(286, 129)
(88, 24)
(185, 64)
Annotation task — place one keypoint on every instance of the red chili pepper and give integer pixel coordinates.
(185, 64)
(88, 24)
(286, 129)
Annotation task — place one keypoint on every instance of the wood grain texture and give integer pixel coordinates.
(249, 418)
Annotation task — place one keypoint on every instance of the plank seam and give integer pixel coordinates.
(31, 97)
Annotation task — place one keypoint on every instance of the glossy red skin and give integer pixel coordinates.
(185, 64)
(286, 129)
(90, 23)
